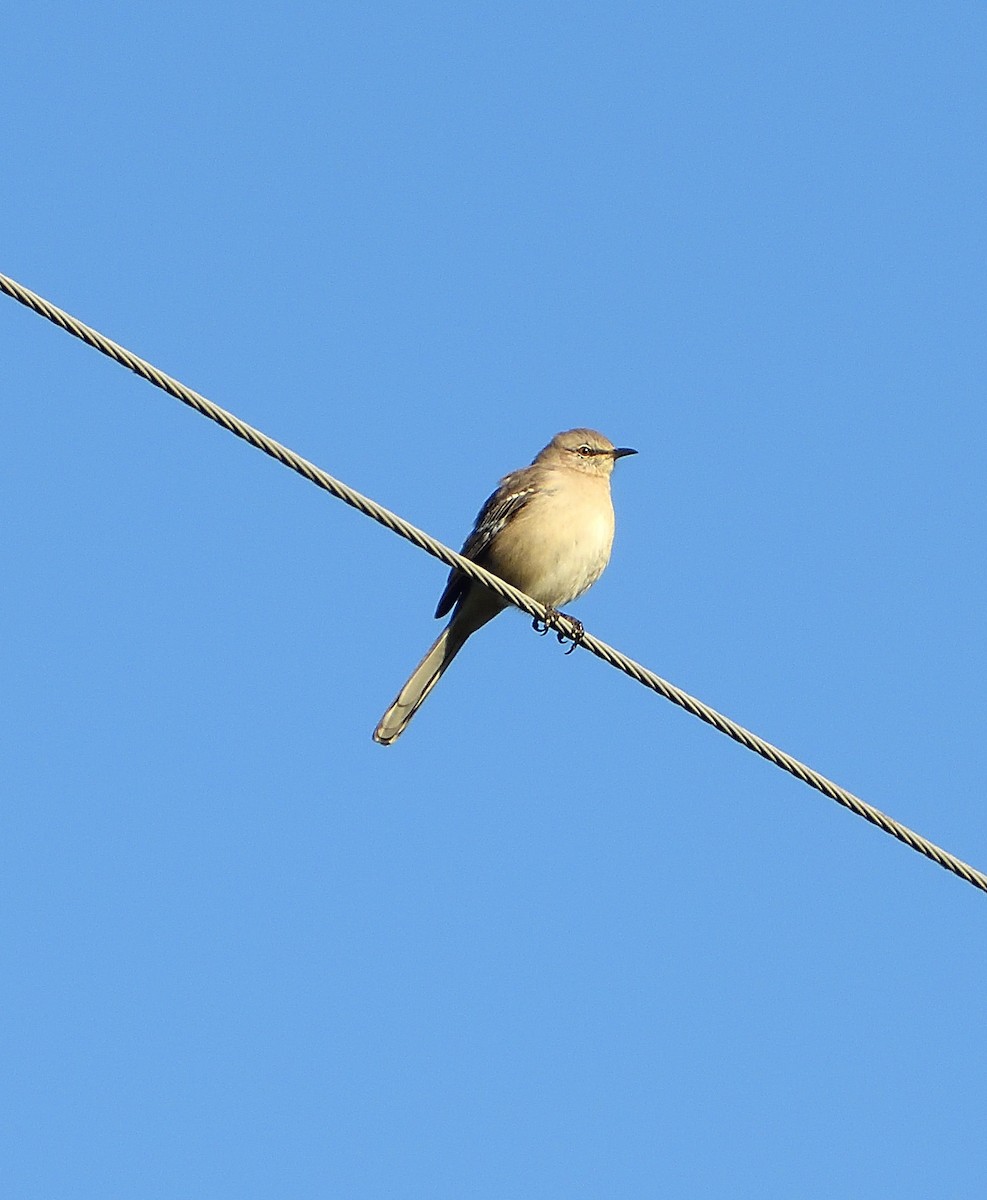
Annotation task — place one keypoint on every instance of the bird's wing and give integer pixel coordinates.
(508, 500)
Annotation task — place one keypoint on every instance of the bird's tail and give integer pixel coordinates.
(424, 677)
(476, 608)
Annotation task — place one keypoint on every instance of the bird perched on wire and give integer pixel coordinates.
(547, 530)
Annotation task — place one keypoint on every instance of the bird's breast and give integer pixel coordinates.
(557, 547)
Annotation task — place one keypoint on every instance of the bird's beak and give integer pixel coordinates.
(622, 452)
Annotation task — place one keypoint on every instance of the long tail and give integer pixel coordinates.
(478, 608)
(424, 677)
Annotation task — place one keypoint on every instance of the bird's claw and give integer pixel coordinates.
(553, 618)
(574, 633)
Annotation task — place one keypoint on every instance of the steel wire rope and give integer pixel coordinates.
(418, 537)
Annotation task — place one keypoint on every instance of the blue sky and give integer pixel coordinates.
(562, 940)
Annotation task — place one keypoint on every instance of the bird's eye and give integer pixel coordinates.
(584, 450)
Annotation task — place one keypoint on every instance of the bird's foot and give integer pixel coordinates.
(566, 628)
(573, 634)
(542, 627)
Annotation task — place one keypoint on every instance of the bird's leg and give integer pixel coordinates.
(574, 634)
(553, 617)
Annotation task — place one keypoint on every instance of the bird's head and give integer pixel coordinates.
(583, 450)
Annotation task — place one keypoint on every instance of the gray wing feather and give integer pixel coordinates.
(499, 508)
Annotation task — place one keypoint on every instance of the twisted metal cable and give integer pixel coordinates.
(429, 544)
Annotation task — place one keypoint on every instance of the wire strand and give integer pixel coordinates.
(429, 544)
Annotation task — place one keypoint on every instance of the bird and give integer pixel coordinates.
(547, 529)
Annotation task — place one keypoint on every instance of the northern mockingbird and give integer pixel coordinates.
(547, 530)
